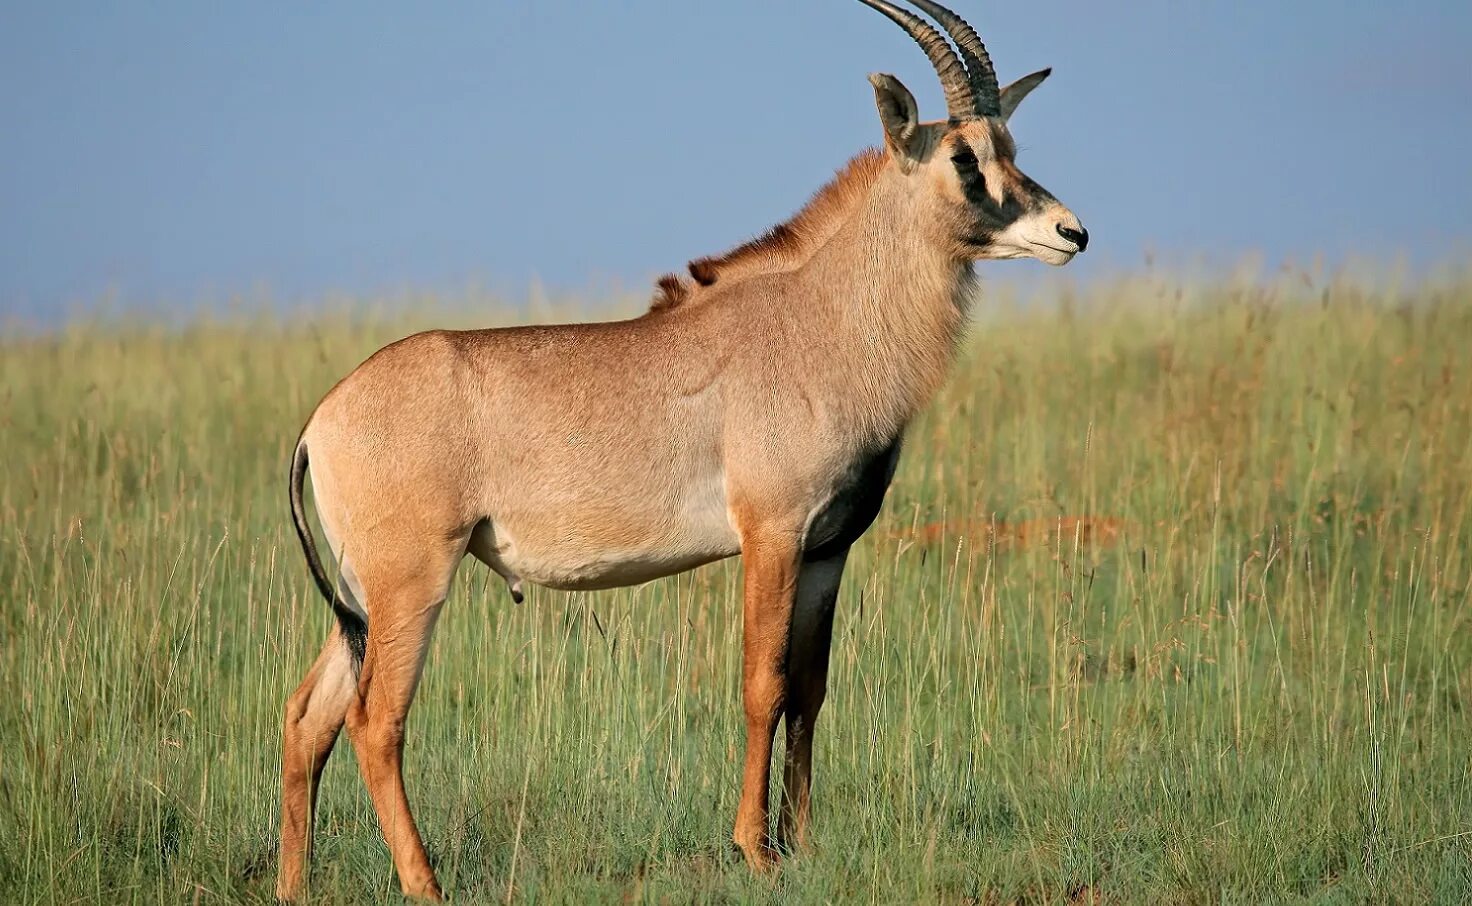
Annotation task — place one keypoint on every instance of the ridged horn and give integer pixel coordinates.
(979, 71)
(960, 100)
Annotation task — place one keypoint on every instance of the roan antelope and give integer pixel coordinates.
(758, 408)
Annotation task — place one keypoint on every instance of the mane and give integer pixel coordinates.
(669, 291)
(785, 246)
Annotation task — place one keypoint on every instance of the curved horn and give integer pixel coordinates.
(979, 69)
(960, 98)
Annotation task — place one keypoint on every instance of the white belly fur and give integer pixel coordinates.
(608, 553)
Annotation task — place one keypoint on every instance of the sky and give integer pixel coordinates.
(170, 152)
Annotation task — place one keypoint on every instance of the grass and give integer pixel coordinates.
(1238, 672)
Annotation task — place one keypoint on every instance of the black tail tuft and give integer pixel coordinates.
(354, 629)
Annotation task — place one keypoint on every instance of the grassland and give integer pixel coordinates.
(1239, 672)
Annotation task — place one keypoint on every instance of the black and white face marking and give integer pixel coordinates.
(1007, 214)
(988, 216)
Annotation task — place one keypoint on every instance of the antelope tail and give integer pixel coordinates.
(354, 629)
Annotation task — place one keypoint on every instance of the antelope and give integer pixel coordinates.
(757, 409)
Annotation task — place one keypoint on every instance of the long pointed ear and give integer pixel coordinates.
(1013, 94)
(900, 116)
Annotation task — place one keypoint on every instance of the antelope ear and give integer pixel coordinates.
(900, 117)
(1013, 94)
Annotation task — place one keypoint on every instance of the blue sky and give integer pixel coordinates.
(179, 151)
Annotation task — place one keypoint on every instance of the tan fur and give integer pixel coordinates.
(598, 455)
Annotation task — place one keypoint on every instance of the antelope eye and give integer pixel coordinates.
(968, 169)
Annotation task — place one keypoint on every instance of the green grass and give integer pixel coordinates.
(1254, 692)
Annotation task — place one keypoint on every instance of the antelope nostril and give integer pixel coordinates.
(1079, 237)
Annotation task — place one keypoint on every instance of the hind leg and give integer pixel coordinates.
(314, 715)
(404, 602)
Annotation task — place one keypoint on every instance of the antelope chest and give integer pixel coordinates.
(854, 504)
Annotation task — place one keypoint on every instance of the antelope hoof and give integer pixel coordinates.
(424, 892)
(760, 858)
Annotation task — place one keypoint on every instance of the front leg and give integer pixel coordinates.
(771, 561)
(807, 686)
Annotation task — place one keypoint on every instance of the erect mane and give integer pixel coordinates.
(786, 245)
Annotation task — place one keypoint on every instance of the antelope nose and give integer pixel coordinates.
(1079, 237)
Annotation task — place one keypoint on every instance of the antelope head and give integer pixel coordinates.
(965, 167)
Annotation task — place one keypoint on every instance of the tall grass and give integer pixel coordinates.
(1237, 671)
